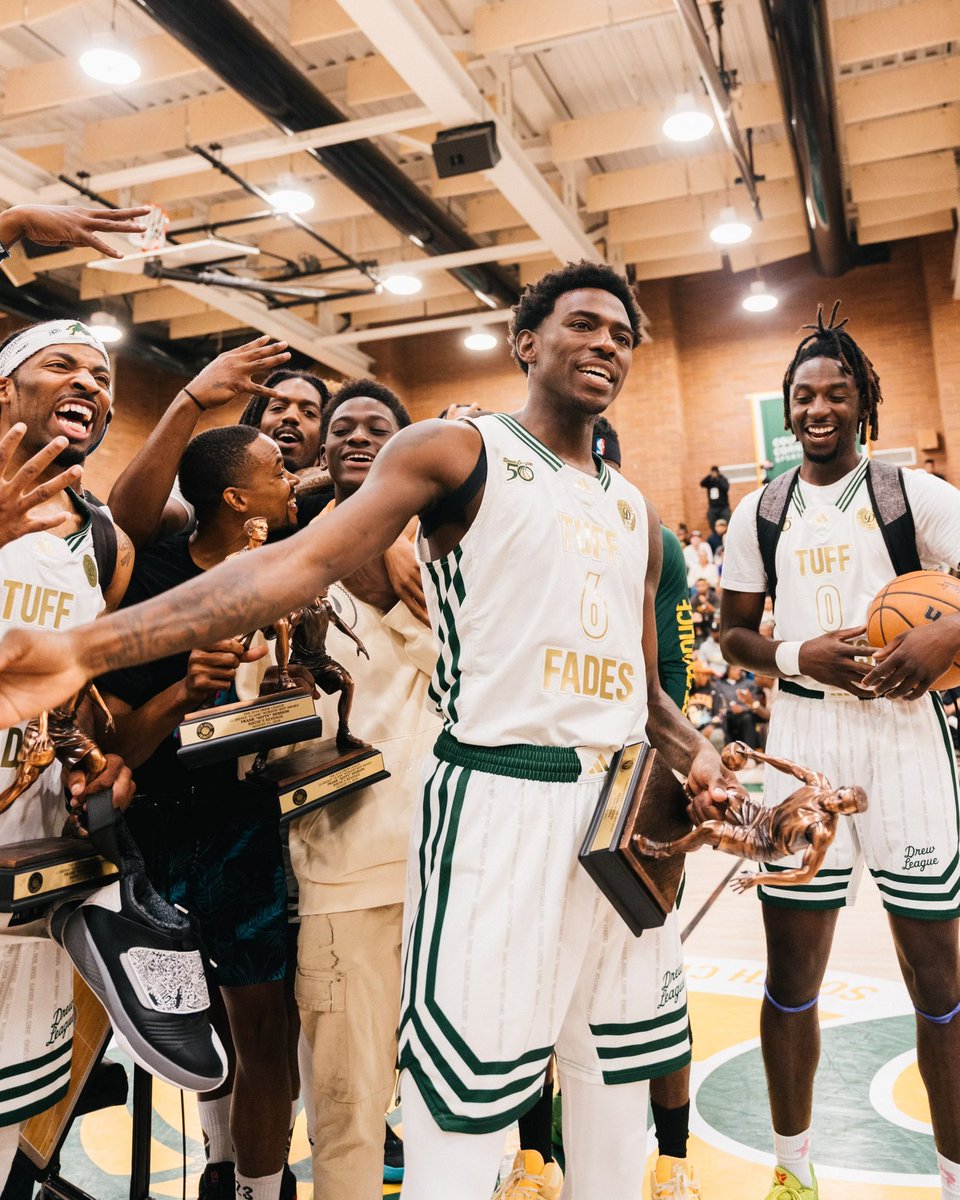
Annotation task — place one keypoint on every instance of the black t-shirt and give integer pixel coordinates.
(159, 568)
(718, 487)
(308, 507)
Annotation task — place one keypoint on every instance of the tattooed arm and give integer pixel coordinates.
(421, 464)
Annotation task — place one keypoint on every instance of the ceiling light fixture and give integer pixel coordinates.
(105, 326)
(292, 200)
(758, 299)
(480, 339)
(108, 61)
(730, 230)
(403, 285)
(687, 122)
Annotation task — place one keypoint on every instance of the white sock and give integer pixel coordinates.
(949, 1178)
(261, 1187)
(793, 1153)
(215, 1123)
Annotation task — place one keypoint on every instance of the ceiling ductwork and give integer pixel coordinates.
(234, 49)
(800, 44)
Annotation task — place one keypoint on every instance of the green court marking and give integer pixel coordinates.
(847, 1131)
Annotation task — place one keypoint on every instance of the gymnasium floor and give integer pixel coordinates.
(872, 1136)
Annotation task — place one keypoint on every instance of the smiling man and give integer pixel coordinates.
(534, 553)
(54, 406)
(822, 540)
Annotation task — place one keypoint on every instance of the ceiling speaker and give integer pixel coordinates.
(465, 149)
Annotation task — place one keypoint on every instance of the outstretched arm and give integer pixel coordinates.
(345, 628)
(421, 464)
(138, 497)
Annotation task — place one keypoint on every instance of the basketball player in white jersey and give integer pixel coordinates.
(837, 715)
(541, 569)
(54, 405)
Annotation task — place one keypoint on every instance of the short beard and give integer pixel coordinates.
(71, 456)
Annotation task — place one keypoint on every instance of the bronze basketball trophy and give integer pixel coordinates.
(641, 792)
(806, 822)
(43, 869)
(279, 717)
(315, 774)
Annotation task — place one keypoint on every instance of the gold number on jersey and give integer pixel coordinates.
(829, 608)
(594, 619)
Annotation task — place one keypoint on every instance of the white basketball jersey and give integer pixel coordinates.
(50, 583)
(539, 610)
(831, 560)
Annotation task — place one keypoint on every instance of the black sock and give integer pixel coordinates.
(536, 1124)
(673, 1128)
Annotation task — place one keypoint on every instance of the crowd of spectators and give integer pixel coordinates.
(726, 703)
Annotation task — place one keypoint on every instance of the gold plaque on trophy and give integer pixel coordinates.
(641, 795)
(45, 869)
(315, 775)
(249, 726)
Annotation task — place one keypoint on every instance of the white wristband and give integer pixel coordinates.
(788, 658)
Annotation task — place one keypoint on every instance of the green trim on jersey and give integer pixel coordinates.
(528, 439)
(450, 590)
(674, 623)
(74, 539)
(548, 764)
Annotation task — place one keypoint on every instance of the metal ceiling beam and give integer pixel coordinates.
(248, 62)
(496, 316)
(246, 152)
(404, 35)
(689, 11)
(800, 44)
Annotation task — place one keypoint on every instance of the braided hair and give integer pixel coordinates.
(833, 341)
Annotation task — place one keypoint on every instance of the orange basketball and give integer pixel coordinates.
(911, 600)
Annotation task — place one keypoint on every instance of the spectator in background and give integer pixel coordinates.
(705, 604)
(707, 705)
(691, 554)
(683, 534)
(746, 710)
(701, 566)
(709, 652)
(717, 487)
(717, 534)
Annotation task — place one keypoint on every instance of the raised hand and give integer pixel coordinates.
(63, 225)
(231, 374)
(20, 494)
(213, 669)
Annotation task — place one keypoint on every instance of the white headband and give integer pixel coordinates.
(35, 338)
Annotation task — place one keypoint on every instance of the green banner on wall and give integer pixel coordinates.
(774, 444)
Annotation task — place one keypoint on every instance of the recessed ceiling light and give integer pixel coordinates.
(110, 62)
(758, 299)
(480, 339)
(105, 326)
(687, 122)
(729, 229)
(291, 201)
(402, 285)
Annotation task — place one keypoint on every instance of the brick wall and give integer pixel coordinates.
(683, 406)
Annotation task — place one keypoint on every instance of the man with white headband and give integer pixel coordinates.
(54, 406)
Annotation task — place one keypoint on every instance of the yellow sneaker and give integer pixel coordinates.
(787, 1186)
(674, 1179)
(531, 1179)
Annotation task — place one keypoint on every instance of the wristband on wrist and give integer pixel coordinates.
(202, 407)
(787, 656)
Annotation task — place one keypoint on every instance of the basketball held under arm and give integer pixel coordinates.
(907, 666)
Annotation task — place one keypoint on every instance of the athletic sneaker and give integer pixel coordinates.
(218, 1181)
(139, 955)
(392, 1156)
(674, 1179)
(788, 1187)
(531, 1179)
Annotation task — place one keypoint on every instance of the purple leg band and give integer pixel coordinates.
(810, 1003)
(944, 1020)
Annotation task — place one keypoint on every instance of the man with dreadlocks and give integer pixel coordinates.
(822, 539)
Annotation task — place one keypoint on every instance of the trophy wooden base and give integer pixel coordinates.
(641, 795)
(39, 871)
(317, 774)
(229, 730)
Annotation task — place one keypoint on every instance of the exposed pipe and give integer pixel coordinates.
(719, 98)
(800, 44)
(234, 49)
